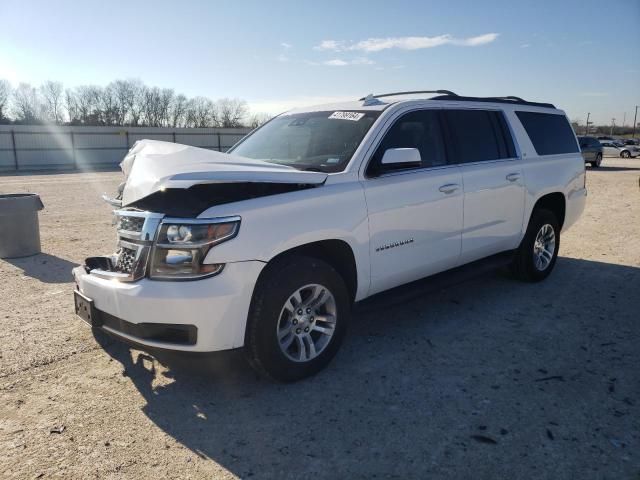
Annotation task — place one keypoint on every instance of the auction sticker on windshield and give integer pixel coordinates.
(353, 116)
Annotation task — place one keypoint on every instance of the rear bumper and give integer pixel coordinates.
(202, 315)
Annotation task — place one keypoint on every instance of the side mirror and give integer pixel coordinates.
(407, 157)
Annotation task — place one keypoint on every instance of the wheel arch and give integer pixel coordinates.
(555, 202)
(335, 252)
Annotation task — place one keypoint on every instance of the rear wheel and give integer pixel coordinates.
(536, 256)
(598, 161)
(625, 154)
(298, 317)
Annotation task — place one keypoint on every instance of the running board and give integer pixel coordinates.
(411, 291)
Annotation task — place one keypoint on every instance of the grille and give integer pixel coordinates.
(130, 224)
(126, 259)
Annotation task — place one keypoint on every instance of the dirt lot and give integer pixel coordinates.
(490, 379)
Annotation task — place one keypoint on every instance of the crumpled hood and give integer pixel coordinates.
(152, 165)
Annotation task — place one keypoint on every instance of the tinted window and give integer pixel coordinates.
(476, 136)
(419, 129)
(550, 134)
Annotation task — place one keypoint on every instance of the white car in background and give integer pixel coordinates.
(611, 148)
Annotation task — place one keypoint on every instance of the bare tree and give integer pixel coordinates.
(88, 102)
(121, 102)
(165, 102)
(258, 119)
(5, 95)
(108, 106)
(201, 112)
(52, 95)
(178, 111)
(231, 112)
(136, 107)
(26, 104)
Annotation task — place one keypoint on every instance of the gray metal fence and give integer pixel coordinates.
(47, 147)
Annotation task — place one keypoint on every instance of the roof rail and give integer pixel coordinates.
(508, 99)
(441, 92)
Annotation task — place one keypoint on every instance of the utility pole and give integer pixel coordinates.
(586, 127)
(635, 117)
(613, 125)
(624, 119)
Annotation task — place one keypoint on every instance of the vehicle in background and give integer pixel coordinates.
(632, 141)
(591, 150)
(615, 149)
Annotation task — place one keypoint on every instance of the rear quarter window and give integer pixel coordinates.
(550, 134)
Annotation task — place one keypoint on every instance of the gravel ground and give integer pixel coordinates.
(489, 379)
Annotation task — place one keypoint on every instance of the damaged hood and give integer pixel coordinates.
(152, 166)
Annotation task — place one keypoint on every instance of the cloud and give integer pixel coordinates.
(328, 45)
(525, 45)
(405, 43)
(286, 45)
(338, 62)
(282, 58)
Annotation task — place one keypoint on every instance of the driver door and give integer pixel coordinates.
(415, 213)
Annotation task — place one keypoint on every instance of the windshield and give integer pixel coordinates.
(316, 141)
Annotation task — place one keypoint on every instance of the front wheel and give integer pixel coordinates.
(625, 154)
(298, 318)
(598, 161)
(536, 256)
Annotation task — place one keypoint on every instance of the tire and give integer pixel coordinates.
(526, 264)
(273, 311)
(598, 161)
(625, 154)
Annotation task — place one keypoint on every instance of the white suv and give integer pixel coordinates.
(268, 247)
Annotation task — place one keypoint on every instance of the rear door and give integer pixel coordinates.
(494, 193)
(415, 214)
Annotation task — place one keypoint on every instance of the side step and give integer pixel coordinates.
(411, 291)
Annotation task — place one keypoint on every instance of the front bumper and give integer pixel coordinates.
(217, 306)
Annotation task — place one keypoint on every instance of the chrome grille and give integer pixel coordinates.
(126, 260)
(136, 231)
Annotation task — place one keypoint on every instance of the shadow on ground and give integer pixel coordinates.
(489, 379)
(604, 168)
(44, 267)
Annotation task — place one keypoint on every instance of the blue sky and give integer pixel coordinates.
(581, 55)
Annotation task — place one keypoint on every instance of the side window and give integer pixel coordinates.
(419, 129)
(476, 136)
(550, 133)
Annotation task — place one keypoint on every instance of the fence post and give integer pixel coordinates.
(73, 150)
(219, 142)
(15, 153)
(174, 136)
(126, 133)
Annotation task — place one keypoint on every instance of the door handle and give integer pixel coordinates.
(512, 177)
(449, 188)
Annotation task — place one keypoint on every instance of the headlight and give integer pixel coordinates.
(182, 245)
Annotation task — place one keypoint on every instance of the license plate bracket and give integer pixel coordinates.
(86, 309)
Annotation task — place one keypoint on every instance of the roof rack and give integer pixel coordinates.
(442, 92)
(449, 95)
(508, 99)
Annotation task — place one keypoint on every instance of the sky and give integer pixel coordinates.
(583, 56)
